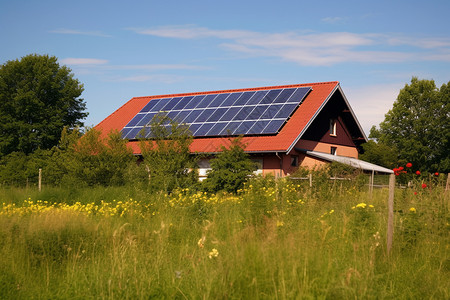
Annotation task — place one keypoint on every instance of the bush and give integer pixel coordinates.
(97, 160)
(230, 169)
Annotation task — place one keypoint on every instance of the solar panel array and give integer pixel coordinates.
(222, 114)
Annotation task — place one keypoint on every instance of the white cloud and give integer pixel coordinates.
(333, 20)
(190, 32)
(83, 61)
(161, 78)
(425, 43)
(79, 32)
(317, 48)
(155, 67)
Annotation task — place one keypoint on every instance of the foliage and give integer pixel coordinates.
(379, 154)
(330, 180)
(95, 159)
(20, 169)
(38, 97)
(418, 125)
(230, 168)
(167, 156)
(89, 159)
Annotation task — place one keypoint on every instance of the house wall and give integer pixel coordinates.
(310, 162)
(279, 165)
(272, 165)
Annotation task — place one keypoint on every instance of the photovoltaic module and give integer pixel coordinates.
(222, 114)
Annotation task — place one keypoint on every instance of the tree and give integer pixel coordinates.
(167, 155)
(230, 169)
(38, 97)
(418, 126)
(96, 160)
(378, 153)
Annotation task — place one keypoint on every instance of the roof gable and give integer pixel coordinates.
(348, 132)
(283, 141)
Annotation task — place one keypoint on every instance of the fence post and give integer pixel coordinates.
(40, 179)
(447, 185)
(310, 180)
(371, 183)
(390, 225)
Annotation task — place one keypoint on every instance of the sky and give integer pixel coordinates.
(125, 49)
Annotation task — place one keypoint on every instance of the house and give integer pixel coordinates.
(283, 127)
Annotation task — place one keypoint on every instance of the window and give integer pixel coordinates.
(294, 161)
(333, 127)
(333, 151)
(259, 165)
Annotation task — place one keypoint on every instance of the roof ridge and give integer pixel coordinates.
(237, 90)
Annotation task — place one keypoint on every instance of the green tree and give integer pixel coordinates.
(230, 169)
(167, 156)
(95, 159)
(379, 154)
(38, 97)
(418, 126)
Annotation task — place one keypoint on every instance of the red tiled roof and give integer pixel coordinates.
(280, 142)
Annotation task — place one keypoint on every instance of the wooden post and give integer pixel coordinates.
(447, 185)
(310, 180)
(390, 225)
(371, 183)
(40, 179)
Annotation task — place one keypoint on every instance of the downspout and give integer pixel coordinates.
(281, 164)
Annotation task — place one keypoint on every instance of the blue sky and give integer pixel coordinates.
(120, 50)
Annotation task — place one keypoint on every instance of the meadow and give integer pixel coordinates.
(274, 239)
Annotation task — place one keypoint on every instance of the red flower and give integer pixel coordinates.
(415, 193)
(409, 165)
(400, 168)
(424, 185)
(437, 173)
(417, 172)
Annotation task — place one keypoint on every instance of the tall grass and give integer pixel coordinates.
(274, 240)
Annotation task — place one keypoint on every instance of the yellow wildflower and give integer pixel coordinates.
(214, 253)
(361, 205)
(280, 223)
(201, 242)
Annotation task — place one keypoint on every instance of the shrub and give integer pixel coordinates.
(98, 160)
(230, 169)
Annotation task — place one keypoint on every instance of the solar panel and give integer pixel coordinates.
(222, 114)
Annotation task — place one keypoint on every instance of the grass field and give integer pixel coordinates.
(273, 240)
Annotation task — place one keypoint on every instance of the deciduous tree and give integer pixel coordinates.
(418, 126)
(38, 97)
(167, 155)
